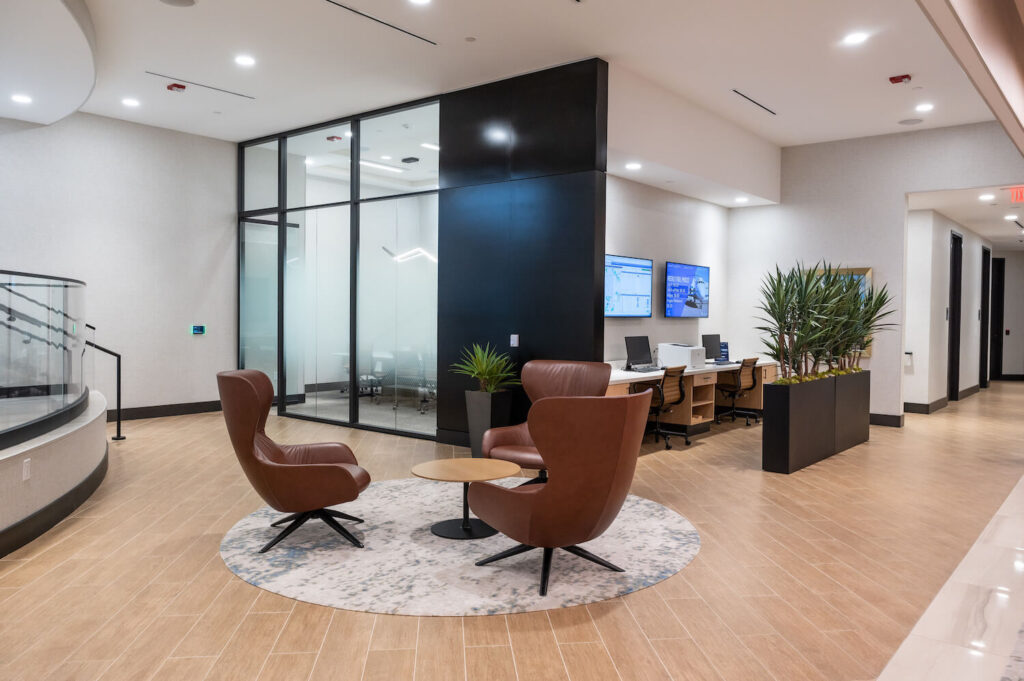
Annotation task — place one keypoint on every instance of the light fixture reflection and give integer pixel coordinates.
(381, 166)
(413, 254)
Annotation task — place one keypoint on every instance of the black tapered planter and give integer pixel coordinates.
(853, 409)
(799, 425)
(486, 410)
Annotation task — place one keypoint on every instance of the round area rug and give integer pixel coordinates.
(406, 570)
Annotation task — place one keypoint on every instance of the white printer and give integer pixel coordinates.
(680, 354)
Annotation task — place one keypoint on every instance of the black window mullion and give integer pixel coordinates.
(282, 242)
(353, 275)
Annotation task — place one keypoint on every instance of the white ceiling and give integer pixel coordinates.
(45, 54)
(985, 218)
(316, 61)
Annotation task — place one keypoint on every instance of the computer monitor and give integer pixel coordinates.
(638, 351)
(712, 346)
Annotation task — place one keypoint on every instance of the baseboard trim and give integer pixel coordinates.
(1009, 377)
(458, 438)
(25, 530)
(160, 410)
(890, 420)
(326, 387)
(967, 392)
(917, 408)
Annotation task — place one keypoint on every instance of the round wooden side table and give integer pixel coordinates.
(464, 471)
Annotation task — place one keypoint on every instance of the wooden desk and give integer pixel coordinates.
(698, 405)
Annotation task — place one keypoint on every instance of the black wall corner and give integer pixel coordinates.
(890, 420)
(521, 224)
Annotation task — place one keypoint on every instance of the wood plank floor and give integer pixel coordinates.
(814, 576)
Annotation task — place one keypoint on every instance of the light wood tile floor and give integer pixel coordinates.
(815, 576)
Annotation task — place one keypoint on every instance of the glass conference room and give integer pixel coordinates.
(338, 260)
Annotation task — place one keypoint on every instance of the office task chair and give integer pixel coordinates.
(734, 384)
(301, 480)
(667, 394)
(590, 446)
(544, 378)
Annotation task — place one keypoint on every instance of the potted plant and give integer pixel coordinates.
(490, 405)
(799, 408)
(819, 321)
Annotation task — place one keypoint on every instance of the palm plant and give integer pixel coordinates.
(494, 371)
(820, 315)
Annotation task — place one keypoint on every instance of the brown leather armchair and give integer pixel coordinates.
(544, 378)
(590, 446)
(302, 480)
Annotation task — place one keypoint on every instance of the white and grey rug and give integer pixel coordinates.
(406, 570)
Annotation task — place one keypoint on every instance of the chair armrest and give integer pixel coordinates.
(320, 452)
(307, 487)
(506, 436)
(507, 510)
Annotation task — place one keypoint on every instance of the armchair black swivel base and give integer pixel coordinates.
(545, 571)
(331, 511)
(325, 514)
(542, 477)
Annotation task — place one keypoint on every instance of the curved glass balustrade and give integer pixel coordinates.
(44, 366)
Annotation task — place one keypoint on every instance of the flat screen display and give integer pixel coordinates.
(687, 292)
(628, 285)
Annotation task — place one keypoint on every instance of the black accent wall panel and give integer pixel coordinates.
(521, 221)
(523, 257)
(542, 123)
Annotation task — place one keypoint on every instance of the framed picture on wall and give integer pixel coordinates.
(863, 275)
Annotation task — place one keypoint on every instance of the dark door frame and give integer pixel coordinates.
(996, 329)
(953, 315)
(983, 317)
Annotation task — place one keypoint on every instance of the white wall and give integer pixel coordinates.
(714, 157)
(146, 217)
(846, 202)
(927, 298)
(1013, 313)
(645, 222)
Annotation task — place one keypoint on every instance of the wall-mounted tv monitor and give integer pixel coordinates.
(628, 285)
(687, 292)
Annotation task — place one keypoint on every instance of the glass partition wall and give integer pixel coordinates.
(338, 269)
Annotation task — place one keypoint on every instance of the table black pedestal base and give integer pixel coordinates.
(457, 529)
(464, 527)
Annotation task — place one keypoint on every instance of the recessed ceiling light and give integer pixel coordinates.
(924, 107)
(245, 60)
(309, 161)
(130, 101)
(986, 197)
(348, 133)
(432, 147)
(1010, 218)
(633, 165)
(21, 99)
(385, 158)
(420, 2)
(855, 38)
(741, 199)
(379, 166)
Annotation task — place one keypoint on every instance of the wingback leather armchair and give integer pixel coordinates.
(301, 480)
(590, 446)
(544, 378)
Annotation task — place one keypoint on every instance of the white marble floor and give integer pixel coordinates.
(970, 631)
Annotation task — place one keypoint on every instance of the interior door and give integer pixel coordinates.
(983, 318)
(956, 262)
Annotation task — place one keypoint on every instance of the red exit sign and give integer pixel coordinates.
(1017, 194)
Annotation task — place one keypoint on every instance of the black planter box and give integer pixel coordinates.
(484, 411)
(799, 425)
(853, 409)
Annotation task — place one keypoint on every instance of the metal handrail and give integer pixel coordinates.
(116, 356)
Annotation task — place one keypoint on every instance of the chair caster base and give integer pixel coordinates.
(545, 570)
